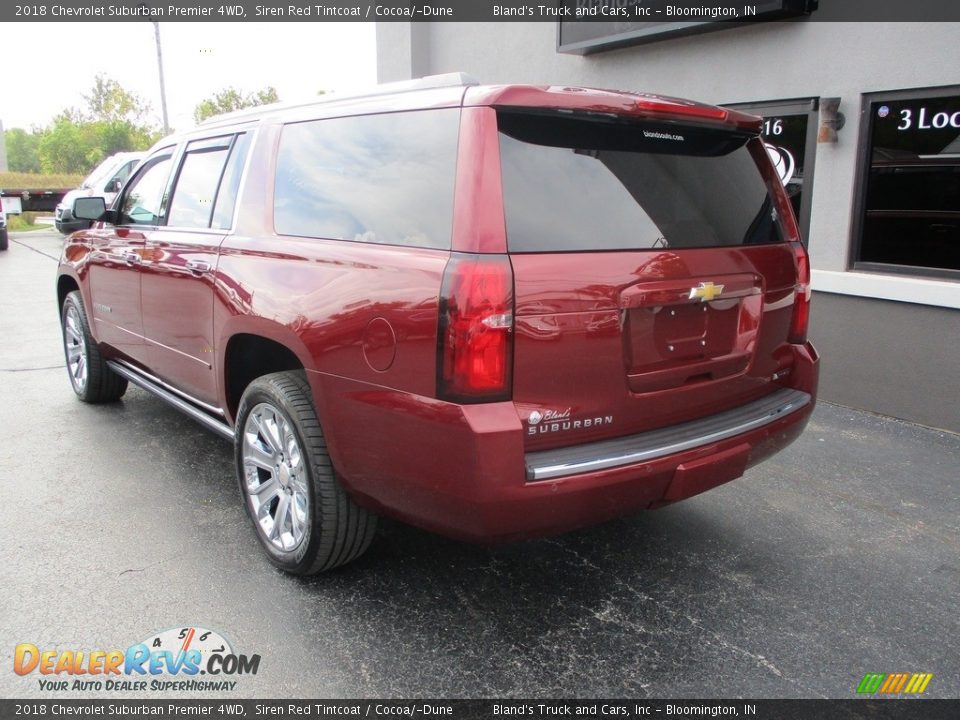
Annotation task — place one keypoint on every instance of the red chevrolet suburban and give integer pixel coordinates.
(493, 312)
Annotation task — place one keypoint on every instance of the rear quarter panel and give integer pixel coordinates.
(357, 315)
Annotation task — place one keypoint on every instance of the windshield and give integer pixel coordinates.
(104, 172)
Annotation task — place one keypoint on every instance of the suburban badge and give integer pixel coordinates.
(540, 422)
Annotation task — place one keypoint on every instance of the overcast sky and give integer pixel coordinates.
(49, 66)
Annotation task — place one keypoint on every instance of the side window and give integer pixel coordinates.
(230, 184)
(120, 176)
(145, 198)
(197, 183)
(374, 178)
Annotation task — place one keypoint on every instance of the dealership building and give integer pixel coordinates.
(863, 119)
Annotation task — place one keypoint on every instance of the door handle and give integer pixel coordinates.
(198, 266)
(131, 257)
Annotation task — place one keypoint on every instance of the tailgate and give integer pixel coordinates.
(653, 282)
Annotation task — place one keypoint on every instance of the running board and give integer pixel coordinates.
(185, 406)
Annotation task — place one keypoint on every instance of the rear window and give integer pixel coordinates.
(374, 178)
(601, 183)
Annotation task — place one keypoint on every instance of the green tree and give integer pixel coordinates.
(22, 150)
(230, 99)
(108, 102)
(62, 147)
(113, 121)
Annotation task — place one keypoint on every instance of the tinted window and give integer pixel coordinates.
(605, 184)
(230, 184)
(100, 174)
(377, 178)
(145, 199)
(916, 187)
(121, 175)
(790, 131)
(197, 183)
(912, 207)
(786, 139)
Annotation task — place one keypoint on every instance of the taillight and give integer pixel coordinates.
(475, 335)
(801, 302)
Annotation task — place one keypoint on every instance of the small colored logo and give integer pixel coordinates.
(894, 683)
(883, 111)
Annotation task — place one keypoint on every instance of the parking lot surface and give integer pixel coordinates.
(838, 557)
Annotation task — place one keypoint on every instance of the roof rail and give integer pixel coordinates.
(429, 82)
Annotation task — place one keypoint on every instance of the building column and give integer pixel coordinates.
(403, 51)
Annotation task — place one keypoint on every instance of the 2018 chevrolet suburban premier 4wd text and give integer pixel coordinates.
(491, 311)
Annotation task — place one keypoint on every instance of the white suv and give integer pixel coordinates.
(106, 180)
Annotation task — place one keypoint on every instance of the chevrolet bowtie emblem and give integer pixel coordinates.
(706, 292)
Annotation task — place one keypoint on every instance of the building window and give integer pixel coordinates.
(790, 133)
(909, 199)
(599, 26)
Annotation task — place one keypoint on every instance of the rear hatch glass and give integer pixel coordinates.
(609, 184)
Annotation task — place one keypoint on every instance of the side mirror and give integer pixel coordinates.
(114, 186)
(89, 208)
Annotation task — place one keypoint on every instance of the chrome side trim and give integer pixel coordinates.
(166, 386)
(604, 454)
(181, 353)
(142, 380)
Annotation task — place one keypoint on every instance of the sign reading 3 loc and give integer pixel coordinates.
(925, 120)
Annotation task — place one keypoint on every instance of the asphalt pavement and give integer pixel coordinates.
(838, 557)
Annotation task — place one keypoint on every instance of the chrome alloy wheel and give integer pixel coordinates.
(275, 477)
(76, 348)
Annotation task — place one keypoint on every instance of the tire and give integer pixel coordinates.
(4, 239)
(91, 378)
(303, 517)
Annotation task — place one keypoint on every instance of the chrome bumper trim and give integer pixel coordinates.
(604, 454)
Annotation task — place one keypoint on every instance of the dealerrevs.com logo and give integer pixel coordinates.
(188, 659)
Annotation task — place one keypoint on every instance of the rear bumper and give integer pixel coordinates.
(634, 449)
(461, 470)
